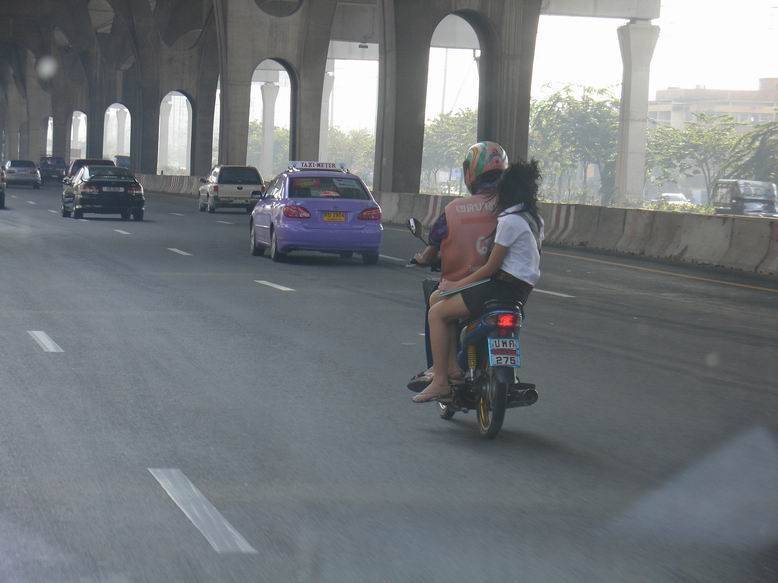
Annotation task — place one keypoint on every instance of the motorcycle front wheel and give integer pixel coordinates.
(491, 405)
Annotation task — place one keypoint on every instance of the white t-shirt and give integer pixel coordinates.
(523, 258)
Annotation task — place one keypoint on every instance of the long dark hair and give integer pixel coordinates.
(519, 185)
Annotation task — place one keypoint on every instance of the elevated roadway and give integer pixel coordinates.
(284, 446)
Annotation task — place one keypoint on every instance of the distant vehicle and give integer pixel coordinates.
(75, 167)
(122, 161)
(674, 198)
(317, 207)
(53, 167)
(230, 187)
(23, 172)
(104, 189)
(745, 197)
(2, 188)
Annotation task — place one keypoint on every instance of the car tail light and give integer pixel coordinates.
(89, 190)
(135, 189)
(506, 320)
(370, 214)
(294, 211)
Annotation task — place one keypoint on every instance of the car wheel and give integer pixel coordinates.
(346, 255)
(125, 215)
(78, 214)
(369, 258)
(65, 213)
(275, 254)
(137, 215)
(256, 250)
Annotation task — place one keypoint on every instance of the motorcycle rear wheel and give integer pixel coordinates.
(491, 406)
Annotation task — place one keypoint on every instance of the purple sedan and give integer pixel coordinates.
(330, 211)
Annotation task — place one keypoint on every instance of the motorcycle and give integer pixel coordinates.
(489, 351)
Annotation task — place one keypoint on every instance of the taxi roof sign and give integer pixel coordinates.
(315, 165)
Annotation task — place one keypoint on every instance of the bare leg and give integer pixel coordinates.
(442, 321)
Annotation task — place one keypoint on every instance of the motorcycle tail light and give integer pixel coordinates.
(506, 320)
(294, 211)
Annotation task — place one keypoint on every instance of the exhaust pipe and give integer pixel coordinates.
(522, 398)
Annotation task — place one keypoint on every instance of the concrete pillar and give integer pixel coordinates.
(62, 121)
(94, 130)
(24, 141)
(234, 126)
(637, 41)
(74, 137)
(122, 148)
(164, 133)
(324, 135)
(269, 96)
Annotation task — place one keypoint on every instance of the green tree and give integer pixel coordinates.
(574, 128)
(356, 148)
(280, 147)
(446, 141)
(755, 155)
(702, 148)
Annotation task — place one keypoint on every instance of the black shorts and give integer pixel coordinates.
(501, 291)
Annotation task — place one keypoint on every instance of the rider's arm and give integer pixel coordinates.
(438, 232)
(493, 265)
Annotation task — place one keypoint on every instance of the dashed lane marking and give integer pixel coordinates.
(221, 535)
(177, 214)
(44, 341)
(83, 220)
(390, 258)
(122, 232)
(225, 222)
(274, 285)
(53, 211)
(550, 293)
(31, 202)
(771, 290)
(178, 251)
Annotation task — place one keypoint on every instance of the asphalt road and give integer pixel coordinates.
(166, 418)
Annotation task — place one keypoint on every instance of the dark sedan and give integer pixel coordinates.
(52, 167)
(104, 190)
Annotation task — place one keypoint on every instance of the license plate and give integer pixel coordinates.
(335, 216)
(113, 189)
(504, 352)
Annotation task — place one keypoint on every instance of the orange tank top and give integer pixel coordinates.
(471, 226)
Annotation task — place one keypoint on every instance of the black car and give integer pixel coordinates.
(75, 166)
(52, 167)
(104, 190)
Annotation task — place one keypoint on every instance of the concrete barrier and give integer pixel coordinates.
(749, 245)
(610, 228)
(185, 185)
(769, 266)
(665, 238)
(707, 241)
(583, 227)
(635, 239)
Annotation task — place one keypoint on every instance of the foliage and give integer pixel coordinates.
(703, 147)
(446, 141)
(356, 148)
(280, 148)
(572, 129)
(659, 205)
(755, 155)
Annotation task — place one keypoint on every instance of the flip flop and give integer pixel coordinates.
(433, 397)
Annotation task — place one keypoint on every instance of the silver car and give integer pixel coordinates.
(230, 187)
(22, 172)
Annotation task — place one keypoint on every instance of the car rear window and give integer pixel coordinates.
(327, 187)
(759, 190)
(22, 164)
(239, 176)
(110, 173)
(53, 161)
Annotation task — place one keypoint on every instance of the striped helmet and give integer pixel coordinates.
(483, 157)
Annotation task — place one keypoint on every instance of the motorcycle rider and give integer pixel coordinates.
(463, 234)
(509, 275)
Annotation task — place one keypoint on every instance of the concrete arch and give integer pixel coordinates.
(176, 115)
(79, 127)
(117, 131)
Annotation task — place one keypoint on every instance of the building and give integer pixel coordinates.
(675, 106)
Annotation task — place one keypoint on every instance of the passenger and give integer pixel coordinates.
(512, 270)
(462, 235)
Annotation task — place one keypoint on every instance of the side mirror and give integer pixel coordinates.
(414, 226)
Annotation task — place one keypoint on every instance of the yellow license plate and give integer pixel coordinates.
(335, 216)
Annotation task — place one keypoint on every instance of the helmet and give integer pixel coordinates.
(482, 158)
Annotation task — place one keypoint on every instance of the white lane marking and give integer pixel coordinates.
(422, 334)
(274, 285)
(122, 232)
(174, 250)
(13, 196)
(390, 258)
(177, 214)
(550, 293)
(83, 220)
(221, 535)
(225, 222)
(44, 341)
(53, 211)
(31, 202)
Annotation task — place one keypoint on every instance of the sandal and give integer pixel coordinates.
(420, 382)
(422, 398)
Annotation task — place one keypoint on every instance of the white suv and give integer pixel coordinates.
(230, 186)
